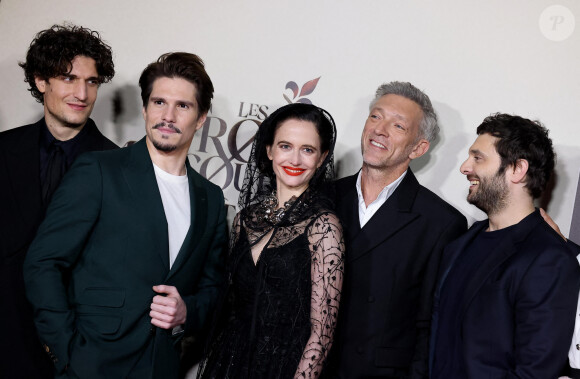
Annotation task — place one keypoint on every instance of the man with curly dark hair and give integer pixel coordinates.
(64, 68)
(504, 306)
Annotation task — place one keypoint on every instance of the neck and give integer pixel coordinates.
(373, 180)
(172, 162)
(512, 214)
(61, 132)
(284, 194)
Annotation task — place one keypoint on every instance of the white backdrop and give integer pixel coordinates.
(471, 58)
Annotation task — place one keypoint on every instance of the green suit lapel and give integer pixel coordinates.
(140, 177)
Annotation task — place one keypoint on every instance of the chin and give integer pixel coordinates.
(164, 146)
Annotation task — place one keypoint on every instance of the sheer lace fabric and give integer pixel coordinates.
(281, 311)
(283, 307)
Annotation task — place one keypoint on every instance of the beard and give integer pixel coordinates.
(165, 147)
(491, 194)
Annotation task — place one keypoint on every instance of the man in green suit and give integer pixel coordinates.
(130, 254)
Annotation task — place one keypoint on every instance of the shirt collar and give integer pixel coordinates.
(385, 192)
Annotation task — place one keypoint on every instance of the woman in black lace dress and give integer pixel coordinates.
(285, 265)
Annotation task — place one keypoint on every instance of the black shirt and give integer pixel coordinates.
(448, 361)
(71, 149)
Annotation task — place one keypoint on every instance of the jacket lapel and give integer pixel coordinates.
(504, 249)
(454, 250)
(395, 214)
(198, 204)
(140, 178)
(347, 207)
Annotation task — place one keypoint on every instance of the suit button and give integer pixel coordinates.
(360, 350)
(371, 299)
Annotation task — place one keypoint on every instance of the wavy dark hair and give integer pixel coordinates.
(521, 138)
(52, 51)
(179, 65)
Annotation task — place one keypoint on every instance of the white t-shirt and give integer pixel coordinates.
(365, 213)
(574, 354)
(176, 204)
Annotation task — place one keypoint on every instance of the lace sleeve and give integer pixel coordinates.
(327, 248)
(235, 232)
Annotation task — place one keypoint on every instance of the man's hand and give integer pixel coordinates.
(168, 311)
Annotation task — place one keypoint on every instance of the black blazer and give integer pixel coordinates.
(390, 273)
(103, 245)
(21, 212)
(518, 310)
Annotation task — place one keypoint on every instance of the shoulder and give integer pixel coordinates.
(430, 202)
(325, 219)
(542, 238)
(346, 183)
(15, 135)
(110, 156)
(108, 144)
(98, 140)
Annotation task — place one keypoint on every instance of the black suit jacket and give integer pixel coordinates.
(517, 312)
(103, 245)
(390, 273)
(21, 212)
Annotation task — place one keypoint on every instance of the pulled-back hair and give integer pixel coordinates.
(296, 111)
(428, 128)
(52, 51)
(186, 66)
(520, 138)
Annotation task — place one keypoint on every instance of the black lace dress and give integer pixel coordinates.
(284, 307)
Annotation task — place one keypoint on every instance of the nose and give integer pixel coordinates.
(296, 158)
(80, 90)
(169, 114)
(380, 128)
(465, 167)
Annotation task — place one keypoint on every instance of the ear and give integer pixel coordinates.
(144, 111)
(518, 172)
(200, 121)
(269, 151)
(420, 148)
(322, 158)
(40, 84)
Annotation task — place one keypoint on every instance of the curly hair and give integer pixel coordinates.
(52, 51)
(179, 65)
(520, 138)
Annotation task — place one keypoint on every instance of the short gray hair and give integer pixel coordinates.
(428, 128)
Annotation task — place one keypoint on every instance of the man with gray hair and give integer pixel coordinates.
(395, 231)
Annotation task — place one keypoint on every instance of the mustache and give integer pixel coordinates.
(170, 126)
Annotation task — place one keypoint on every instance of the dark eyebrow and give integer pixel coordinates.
(188, 103)
(477, 152)
(73, 76)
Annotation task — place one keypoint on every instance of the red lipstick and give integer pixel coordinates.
(293, 171)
